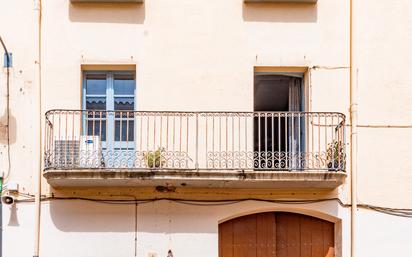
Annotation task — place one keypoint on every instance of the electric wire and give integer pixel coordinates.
(400, 212)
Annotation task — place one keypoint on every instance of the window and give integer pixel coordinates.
(110, 98)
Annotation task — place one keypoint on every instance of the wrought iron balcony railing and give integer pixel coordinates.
(156, 140)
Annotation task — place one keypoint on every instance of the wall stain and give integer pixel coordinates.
(4, 129)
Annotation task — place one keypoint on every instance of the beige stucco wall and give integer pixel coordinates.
(196, 55)
(184, 58)
(17, 22)
(79, 228)
(382, 58)
(90, 229)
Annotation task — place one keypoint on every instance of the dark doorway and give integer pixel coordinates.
(278, 124)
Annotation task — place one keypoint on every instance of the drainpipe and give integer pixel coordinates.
(354, 134)
(37, 82)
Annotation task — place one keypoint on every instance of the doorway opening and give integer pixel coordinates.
(278, 121)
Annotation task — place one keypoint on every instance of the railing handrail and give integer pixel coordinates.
(83, 110)
(192, 112)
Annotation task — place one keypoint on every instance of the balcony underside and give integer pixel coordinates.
(194, 178)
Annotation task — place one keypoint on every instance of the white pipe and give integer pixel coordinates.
(37, 82)
(354, 134)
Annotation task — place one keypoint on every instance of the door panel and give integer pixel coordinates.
(306, 237)
(328, 237)
(276, 234)
(266, 235)
(244, 237)
(288, 234)
(226, 239)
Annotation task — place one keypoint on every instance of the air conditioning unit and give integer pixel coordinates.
(90, 155)
(65, 154)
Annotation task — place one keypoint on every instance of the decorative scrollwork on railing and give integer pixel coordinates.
(260, 160)
(119, 159)
(230, 160)
(147, 159)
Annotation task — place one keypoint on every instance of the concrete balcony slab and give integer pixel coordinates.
(194, 178)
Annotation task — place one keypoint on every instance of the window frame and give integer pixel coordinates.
(110, 140)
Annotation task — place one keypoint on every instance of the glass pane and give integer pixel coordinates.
(95, 103)
(97, 125)
(124, 103)
(127, 128)
(96, 84)
(124, 84)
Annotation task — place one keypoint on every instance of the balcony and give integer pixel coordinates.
(194, 149)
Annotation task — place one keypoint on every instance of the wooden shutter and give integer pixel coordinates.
(276, 235)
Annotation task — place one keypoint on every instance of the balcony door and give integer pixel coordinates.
(109, 99)
(279, 122)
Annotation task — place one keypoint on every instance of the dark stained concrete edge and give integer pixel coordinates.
(194, 178)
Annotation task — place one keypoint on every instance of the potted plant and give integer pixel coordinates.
(155, 159)
(335, 155)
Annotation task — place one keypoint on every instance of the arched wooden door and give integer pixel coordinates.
(276, 234)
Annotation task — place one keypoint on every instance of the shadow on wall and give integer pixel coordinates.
(13, 220)
(155, 217)
(107, 13)
(161, 216)
(280, 12)
(86, 216)
(174, 217)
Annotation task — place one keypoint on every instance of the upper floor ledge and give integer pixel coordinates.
(195, 149)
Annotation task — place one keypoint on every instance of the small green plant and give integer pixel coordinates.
(335, 155)
(155, 159)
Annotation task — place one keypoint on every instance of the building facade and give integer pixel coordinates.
(206, 128)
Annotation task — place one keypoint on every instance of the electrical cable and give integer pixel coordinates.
(401, 212)
(385, 126)
(7, 107)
